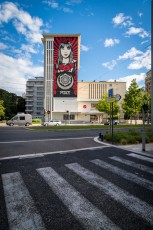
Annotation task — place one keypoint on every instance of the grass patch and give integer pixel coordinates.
(130, 137)
(83, 127)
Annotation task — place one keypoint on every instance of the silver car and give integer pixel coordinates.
(52, 123)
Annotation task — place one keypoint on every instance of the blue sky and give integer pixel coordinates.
(115, 38)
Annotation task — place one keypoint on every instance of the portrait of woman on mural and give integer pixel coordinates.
(65, 68)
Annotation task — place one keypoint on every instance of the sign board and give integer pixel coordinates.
(110, 93)
(110, 99)
(117, 97)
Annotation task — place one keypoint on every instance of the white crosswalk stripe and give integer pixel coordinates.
(81, 208)
(141, 208)
(21, 211)
(133, 164)
(127, 175)
(140, 157)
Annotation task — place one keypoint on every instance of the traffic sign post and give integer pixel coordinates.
(110, 99)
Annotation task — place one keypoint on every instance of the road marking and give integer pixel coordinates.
(21, 211)
(58, 139)
(140, 157)
(79, 206)
(131, 202)
(33, 155)
(133, 164)
(126, 175)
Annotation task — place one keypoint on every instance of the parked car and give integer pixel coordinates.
(20, 119)
(115, 122)
(52, 123)
(107, 123)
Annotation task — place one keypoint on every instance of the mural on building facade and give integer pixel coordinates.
(65, 66)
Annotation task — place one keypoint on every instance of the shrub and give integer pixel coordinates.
(130, 137)
(36, 121)
(123, 142)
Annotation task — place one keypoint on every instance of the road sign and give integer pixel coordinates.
(110, 99)
(110, 93)
(117, 97)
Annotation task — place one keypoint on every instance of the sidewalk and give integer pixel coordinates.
(138, 148)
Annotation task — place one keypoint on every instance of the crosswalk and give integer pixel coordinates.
(114, 192)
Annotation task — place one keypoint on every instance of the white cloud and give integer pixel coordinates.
(3, 46)
(140, 14)
(121, 20)
(143, 61)
(111, 42)
(130, 54)
(139, 78)
(137, 31)
(110, 65)
(67, 10)
(19, 70)
(23, 22)
(28, 48)
(52, 4)
(71, 2)
(85, 48)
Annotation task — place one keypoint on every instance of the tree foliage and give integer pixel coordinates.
(12, 103)
(104, 106)
(2, 109)
(132, 103)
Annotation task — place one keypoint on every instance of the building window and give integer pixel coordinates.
(67, 117)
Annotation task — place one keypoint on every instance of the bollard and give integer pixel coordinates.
(101, 137)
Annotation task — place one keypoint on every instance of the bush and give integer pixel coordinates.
(36, 121)
(130, 137)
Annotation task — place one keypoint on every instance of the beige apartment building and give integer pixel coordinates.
(148, 82)
(82, 108)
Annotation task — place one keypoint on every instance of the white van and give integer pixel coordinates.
(20, 119)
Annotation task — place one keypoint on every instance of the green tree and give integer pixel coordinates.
(132, 102)
(2, 110)
(146, 99)
(12, 103)
(104, 106)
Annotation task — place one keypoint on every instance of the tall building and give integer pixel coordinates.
(61, 64)
(148, 82)
(64, 97)
(35, 97)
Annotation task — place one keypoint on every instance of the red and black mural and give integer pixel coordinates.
(65, 66)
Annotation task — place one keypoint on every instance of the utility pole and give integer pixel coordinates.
(152, 65)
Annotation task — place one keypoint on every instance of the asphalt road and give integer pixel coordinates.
(96, 187)
(17, 141)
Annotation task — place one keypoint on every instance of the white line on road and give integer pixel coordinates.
(140, 157)
(133, 164)
(131, 202)
(126, 175)
(34, 155)
(79, 206)
(22, 213)
(58, 139)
